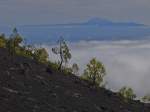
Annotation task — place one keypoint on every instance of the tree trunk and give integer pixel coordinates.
(94, 80)
(60, 66)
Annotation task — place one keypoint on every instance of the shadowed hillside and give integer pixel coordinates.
(28, 86)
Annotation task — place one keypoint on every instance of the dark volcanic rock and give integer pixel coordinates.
(27, 86)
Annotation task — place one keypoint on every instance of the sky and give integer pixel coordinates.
(27, 12)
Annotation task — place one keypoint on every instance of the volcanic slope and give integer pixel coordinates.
(28, 86)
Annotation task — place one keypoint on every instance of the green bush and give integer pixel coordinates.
(41, 55)
(127, 93)
(95, 72)
(67, 71)
(2, 41)
(21, 51)
(146, 98)
(53, 65)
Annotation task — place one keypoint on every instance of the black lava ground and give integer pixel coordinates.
(27, 86)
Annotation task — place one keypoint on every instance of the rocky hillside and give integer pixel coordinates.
(27, 86)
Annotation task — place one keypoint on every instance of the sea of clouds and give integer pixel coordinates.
(127, 62)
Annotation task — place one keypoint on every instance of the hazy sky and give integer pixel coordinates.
(22, 12)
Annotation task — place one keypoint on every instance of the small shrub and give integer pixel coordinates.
(24, 52)
(41, 55)
(95, 72)
(146, 98)
(127, 93)
(52, 65)
(67, 71)
(2, 41)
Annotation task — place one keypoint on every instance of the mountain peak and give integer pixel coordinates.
(99, 21)
(106, 22)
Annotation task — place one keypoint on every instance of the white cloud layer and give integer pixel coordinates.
(127, 62)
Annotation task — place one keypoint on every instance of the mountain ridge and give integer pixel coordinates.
(94, 29)
(94, 21)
